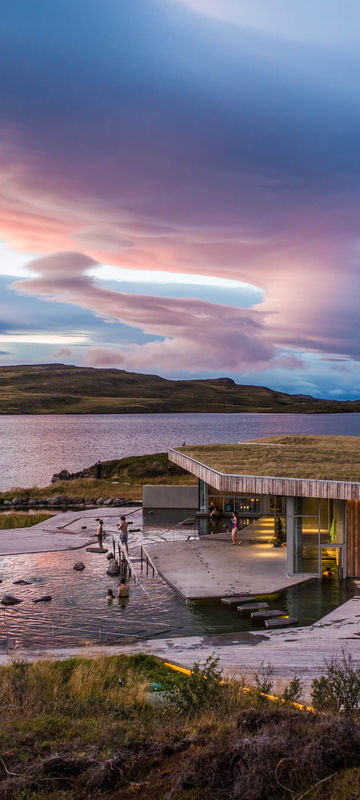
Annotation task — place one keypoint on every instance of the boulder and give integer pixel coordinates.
(79, 566)
(63, 475)
(44, 599)
(99, 501)
(113, 568)
(9, 600)
(7, 503)
(16, 501)
(21, 582)
(108, 501)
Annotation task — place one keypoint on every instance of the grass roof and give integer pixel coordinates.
(333, 458)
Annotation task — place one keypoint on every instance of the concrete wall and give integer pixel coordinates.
(170, 496)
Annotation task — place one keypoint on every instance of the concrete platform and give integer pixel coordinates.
(65, 531)
(212, 568)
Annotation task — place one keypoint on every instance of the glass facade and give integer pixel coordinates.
(319, 535)
(227, 504)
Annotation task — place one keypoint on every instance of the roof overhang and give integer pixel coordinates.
(266, 484)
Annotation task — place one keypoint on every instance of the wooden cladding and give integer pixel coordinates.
(353, 539)
(256, 484)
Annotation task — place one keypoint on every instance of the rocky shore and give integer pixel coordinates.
(62, 501)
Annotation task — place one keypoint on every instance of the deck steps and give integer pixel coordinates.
(239, 600)
(246, 609)
(258, 617)
(280, 622)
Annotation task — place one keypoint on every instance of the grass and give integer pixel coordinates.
(123, 477)
(18, 520)
(70, 730)
(310, 457)
(66, 389)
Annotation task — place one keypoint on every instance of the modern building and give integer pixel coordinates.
(312, 483)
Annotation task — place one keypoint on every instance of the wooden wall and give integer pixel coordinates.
(257, 484)
(353, 539)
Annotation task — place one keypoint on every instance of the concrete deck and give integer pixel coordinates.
(61, 532)
(211, 567)
(300, 651)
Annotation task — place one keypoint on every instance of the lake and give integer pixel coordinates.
(33, 447)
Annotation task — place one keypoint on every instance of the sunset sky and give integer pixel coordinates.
(179, 188)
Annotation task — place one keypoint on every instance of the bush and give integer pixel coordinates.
(202, 688)
(263, 680)
(293, 691)
(338, 691)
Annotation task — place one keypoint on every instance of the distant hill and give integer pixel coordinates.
(62, 389)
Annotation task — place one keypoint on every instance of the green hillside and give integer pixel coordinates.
(61, 389)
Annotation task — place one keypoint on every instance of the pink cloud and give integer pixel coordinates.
(63, 352)
(196, 334)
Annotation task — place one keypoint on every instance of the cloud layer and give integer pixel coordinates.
(190, 138)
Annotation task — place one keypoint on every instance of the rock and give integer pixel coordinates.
(79, 566)
(9, 600)
(7, 503)
(110, 556)
(99, 501)
(16, 501)
(44, 599)
(108, 501)
(21, 582)
(113, 568)
(63, 475)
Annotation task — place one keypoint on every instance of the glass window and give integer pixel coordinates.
(306, 506)
(306, 544)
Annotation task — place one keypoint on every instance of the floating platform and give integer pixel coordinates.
(246, 609)
(284, 622)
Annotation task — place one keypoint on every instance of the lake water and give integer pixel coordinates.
(33, 447)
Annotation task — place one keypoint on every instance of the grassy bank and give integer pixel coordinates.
(70, 730)
(123, 477)
(21, 520)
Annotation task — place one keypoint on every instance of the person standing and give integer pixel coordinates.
(123, 589)
(235, 528)
(122, 527)
(98, 470)
(100, 532)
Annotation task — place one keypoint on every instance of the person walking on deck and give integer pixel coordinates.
(122, 527)
(100, 532)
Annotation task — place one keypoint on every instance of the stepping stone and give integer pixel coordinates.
(245, 610)
(21, 582)
(96, 550)
(260, 616)
(239, 600)
(280, 623)
(44, 599)
(10, 600)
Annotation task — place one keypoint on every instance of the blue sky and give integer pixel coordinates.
(180, 188)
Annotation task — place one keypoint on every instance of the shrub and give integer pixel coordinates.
(293, 691)
(338, 691)
(202, 688)
(263, 680)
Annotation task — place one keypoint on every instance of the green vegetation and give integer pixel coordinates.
(21, 520)
(61, 389)
(339, 689)
(122, 477)
(91, 728)
(310, 457)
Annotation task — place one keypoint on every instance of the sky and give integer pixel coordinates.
(180, 187)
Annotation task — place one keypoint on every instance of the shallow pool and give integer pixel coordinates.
(79, 613)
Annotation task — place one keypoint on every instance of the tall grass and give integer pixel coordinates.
(16, 520)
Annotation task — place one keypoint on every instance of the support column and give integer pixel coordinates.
(290, 535)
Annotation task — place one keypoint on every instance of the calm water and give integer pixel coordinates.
(33, 447)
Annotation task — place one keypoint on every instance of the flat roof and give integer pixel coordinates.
(314, 466)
